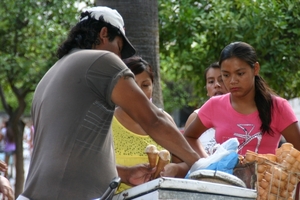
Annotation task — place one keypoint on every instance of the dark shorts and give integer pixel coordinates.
(10, 153)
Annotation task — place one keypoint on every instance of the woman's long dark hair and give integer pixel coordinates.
(263, 93)
(85, 34)
(138, 65)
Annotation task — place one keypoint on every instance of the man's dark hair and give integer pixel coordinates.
(85, 34)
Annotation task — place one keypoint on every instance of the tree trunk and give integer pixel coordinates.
(141, 26)
(18, 127)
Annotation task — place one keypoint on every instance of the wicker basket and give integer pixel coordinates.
(275, 177)
(275, 182)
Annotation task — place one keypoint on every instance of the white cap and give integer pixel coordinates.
(114, 18)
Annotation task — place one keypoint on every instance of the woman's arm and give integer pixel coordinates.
(292, 135)
(190, 119)
(192, 133)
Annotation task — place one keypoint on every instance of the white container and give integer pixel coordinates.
(187, 189)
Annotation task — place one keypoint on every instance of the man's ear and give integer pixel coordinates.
(103, 35)
(256, 68)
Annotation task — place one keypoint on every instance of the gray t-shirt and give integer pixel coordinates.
(73, 155)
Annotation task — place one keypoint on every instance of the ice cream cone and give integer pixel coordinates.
(152, 153)
(163, 160)
(152, 157)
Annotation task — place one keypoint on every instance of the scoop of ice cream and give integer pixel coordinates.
(152, 153)
(164, 155)
(151, 149)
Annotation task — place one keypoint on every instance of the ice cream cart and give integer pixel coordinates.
(176, 188)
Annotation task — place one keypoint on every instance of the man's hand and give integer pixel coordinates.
(170, 170)
(177, 170)
(137, 174)
(6, 189)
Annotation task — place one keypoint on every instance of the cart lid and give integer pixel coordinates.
(187, 185)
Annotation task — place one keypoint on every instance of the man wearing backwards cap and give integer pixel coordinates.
(72, 110)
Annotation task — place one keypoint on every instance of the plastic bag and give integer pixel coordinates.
(229, 146)
(226, 164)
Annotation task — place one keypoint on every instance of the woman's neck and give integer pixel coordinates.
(244, 105)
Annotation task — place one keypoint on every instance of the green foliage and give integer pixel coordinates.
(30, 32)
(193, 33)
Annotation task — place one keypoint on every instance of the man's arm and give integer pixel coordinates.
(130, 97)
